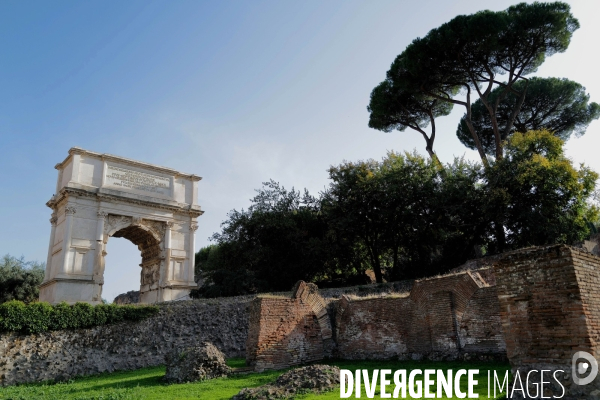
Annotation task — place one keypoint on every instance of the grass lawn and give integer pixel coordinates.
(147, 383)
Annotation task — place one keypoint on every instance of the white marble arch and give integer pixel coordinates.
(99, 196)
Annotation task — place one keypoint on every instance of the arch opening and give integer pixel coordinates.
(123, 272)
(150, 247)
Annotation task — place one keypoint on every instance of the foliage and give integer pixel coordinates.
(541, 196)
(201, 258)
(469, 54)
(411, 218)
(147, 383)
(20, 279)
(394, 108)
(36, 317)
(403, 217)
(276, 242)
(558, 105)
(406, 217)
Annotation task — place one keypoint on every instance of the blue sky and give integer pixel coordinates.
(236, 92)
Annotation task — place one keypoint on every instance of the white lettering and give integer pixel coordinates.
(443, 383)
(558, 381)
(497, 383)
(345, 374)
(412, 384)
(384, 383)
(400, 383)
(517, 377)
(473, 383)
(459, 373)
(370, 387)
(428, 383)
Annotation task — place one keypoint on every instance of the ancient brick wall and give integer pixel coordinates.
(480, 329)
(374, 328)
(449, 317)
(550, 307)
(288, 331)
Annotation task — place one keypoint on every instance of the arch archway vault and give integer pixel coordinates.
(99, 196)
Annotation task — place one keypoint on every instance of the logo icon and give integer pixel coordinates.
(580, 368)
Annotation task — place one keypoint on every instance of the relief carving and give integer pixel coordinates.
(158, 227)
(102, 214)
(70, 210)
(115, 223)
(150, 274)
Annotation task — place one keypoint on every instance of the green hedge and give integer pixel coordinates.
(16, 316)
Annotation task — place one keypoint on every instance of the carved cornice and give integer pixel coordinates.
(66, 192)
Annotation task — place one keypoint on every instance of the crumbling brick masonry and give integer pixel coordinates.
(550, 307)
(288, 331)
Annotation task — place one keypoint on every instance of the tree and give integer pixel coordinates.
(558, 105)
(469, 54)
(412, 218)
(396, 109)
(269, 247)
(353, 207)
(200, 260)
(20, 279)
(542, 196)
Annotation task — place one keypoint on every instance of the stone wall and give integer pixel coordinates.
(538, 306)
(550, 307)
(125, 346)
(449, 317)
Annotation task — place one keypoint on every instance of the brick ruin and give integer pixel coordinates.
(446, 318)
(288, 331)
(550, 308)
(537, 306)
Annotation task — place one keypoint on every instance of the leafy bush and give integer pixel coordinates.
(16, 316)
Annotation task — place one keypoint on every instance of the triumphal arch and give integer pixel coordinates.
(99, 196)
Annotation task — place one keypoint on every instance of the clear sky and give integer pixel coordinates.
(237, 92)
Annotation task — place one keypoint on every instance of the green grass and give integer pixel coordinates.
(147, 383)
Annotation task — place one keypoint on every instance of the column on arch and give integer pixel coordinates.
(69, 212)
(49, 274)
(192, 261)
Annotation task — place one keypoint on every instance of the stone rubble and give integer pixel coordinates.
(314, 378)
(193, 364)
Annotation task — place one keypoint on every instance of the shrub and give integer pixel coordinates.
(12, 315)
(37, 317)
(16, 316)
